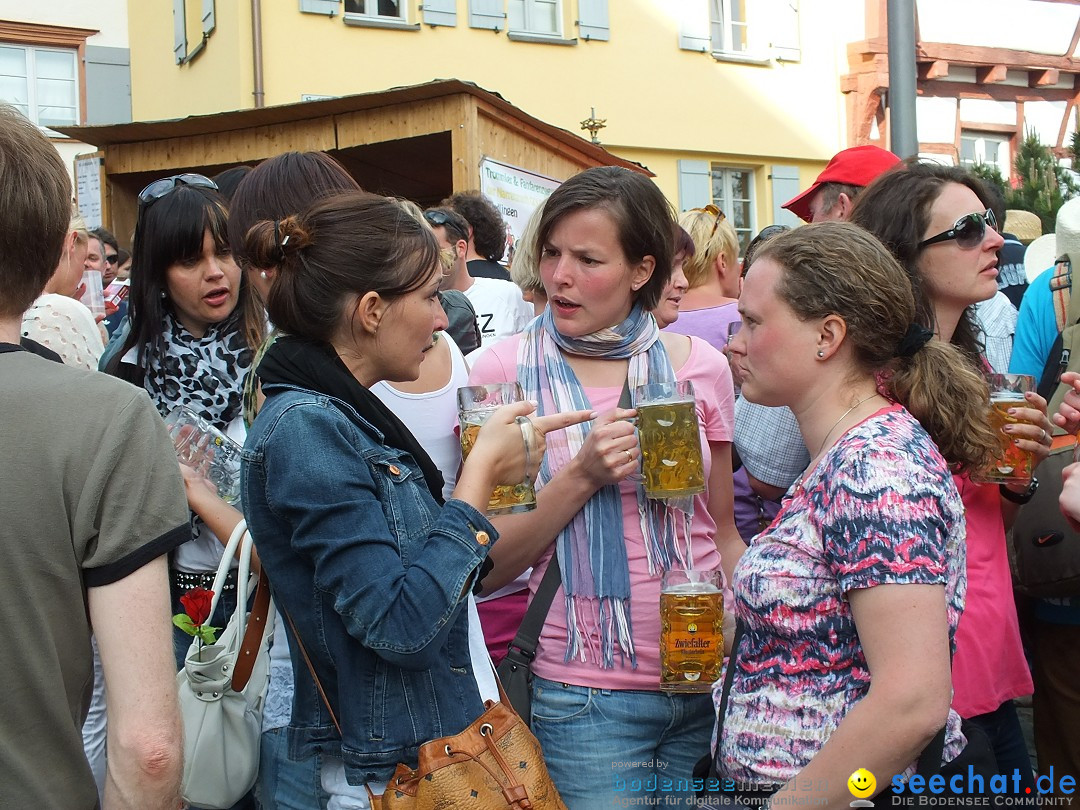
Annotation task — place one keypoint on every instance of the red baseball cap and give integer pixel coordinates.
(857, 166)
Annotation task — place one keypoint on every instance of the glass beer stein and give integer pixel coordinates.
(475, 404)
(691, 634)
(1010, 462)
(671, 462)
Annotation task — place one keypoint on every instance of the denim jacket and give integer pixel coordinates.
(372, 572)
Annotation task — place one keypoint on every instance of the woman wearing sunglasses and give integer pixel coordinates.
(936, 221)
(187, 347)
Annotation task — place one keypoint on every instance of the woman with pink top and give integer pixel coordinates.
(606, 253)
(936, 221)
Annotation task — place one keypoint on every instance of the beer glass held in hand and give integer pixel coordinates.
(475, 404)
(671, 461)
(1011, 463)
(691, 634)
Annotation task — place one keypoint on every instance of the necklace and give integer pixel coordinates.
(841, 419)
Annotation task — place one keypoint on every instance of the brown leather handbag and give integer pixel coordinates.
(495, 763)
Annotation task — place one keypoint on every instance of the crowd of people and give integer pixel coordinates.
(838, 371)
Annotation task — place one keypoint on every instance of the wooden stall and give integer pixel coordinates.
(422, 142)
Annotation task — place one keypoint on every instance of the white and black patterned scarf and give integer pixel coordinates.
(204, 374)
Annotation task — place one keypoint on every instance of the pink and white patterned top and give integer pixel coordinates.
(880, 507)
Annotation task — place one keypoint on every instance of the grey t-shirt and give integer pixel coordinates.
(91, 493)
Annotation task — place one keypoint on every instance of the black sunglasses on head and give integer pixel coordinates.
(439, 219)
(159, 188)
(968, 231)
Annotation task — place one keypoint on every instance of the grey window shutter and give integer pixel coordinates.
(593, 19)
(179, 31)
(786, 42)
(108, 85)
(440, 12)
(327, 7)
(694, 31)
(488, 14)
(208, 20)
(695, 184)
(785, 185)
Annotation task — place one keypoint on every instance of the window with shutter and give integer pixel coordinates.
(488, 14)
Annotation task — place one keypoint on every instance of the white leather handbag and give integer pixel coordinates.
(223, 690)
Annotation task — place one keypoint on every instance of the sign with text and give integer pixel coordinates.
(515, 192)
(88, 188)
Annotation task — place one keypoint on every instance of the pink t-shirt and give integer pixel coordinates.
(708, 370)
(989, 667)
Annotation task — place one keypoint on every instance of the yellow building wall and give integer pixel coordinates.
(659, 101)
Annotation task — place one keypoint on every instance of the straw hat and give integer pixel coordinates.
(1044, 251)
(1024, 225)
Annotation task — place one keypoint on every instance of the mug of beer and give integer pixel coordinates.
(691, 634)
(1010, 462)
(475, 404)
(671, 463)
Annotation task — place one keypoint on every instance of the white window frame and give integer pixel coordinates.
(980, 138)
(726, 202)
(729, 25)
(31, 52)
(528, 14)
(371, 12)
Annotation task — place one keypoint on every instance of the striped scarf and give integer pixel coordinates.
(592, 547)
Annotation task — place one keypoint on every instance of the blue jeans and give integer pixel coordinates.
(1002, 726)
(610, 748)
(285, 784)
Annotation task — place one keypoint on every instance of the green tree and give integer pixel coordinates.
(1044, 185)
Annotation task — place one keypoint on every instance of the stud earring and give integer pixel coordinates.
(164, 295)
(820, 353)
(263, 275)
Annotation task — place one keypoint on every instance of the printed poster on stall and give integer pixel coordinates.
(516, 193)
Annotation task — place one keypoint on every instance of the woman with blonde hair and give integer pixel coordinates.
(710, 305)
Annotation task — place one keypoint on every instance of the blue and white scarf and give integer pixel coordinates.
(592, 546)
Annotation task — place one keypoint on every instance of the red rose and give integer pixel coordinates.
(197, 604)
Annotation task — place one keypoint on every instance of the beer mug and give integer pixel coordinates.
(691, 632)
(671, 462)
(1010, 462)
(475, 404)
(207, 450)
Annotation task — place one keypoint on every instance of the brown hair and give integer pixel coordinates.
(835, 268)
(345, 245)
(643, 219)
(896, 209)
(35, 203)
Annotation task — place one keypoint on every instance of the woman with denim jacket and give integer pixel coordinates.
(363, 556)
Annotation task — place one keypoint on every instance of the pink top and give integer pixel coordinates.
(709, 372)
(989, 667)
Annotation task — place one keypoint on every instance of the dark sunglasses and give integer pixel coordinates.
(439, 219)
(968, 231)
(112, 258)
(159, 188)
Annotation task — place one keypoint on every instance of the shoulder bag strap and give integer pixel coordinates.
(253, 634)
(725, 693)
(532, 623)
(1061, 290)
(311, 669)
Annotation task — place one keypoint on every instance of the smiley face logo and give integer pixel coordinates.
(862, 784)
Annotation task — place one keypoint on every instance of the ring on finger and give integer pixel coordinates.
(1042, 440)
(629, 456)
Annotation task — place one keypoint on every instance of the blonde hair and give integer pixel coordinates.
(711, 239)
(78, 225)
(525, 268)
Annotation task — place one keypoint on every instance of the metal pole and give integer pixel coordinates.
(257, 52)
(903, 134)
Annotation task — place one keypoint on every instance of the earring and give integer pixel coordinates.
(820, 353)
(164, 295)
(263, 275)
